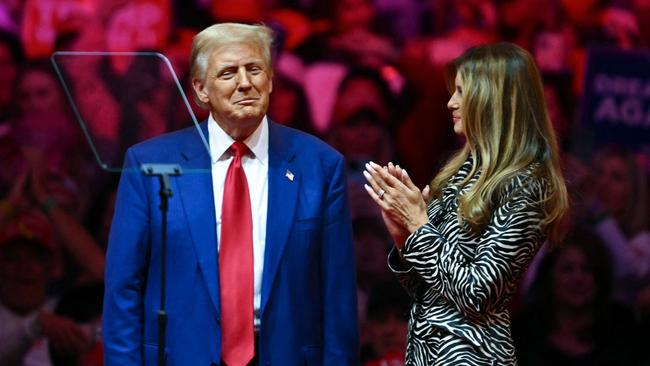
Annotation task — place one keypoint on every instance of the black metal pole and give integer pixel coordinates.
(163, 172)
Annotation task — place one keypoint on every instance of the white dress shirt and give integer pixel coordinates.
(256, 167)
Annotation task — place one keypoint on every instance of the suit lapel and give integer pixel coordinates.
(195, 188)
(196, 194)
(284, 185)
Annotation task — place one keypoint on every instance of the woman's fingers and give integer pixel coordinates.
(376, 187)
(392, 169)
(407, 181)
(395, 170)
(395, 176)
(375, 197)
(426, 193)
(388, 179)
(375, 180)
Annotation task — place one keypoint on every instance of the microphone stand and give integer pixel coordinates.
(163, 172)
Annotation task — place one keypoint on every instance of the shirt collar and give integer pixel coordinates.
(220, 141)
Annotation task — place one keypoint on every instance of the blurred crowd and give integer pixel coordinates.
(368, 77)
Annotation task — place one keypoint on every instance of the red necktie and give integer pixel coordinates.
(236, 264)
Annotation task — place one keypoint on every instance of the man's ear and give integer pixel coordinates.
(200, 90)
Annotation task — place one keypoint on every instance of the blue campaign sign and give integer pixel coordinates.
(616, 99)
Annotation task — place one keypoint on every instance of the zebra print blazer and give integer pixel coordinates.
(461, 282)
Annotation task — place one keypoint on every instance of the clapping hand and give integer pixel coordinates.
(403, 205)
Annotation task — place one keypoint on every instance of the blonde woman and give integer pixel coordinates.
(489, 209)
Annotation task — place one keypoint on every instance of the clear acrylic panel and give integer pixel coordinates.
(123, 98)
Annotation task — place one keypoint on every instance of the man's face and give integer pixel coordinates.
(237, 85)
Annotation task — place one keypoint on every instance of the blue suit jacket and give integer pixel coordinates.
(308, 304)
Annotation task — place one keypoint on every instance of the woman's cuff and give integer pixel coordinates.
(427, 228)
(396, 263)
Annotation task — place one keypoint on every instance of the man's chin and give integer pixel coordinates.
(248, 116)
(241, 117)
(244, 120)
(253, 118)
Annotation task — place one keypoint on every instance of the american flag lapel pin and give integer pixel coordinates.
(289, 175)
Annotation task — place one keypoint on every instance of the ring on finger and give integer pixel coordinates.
(381, 194)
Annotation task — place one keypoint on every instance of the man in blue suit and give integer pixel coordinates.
(289, 296)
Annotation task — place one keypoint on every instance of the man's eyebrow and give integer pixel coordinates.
(224, 66)
(254, 62)
(227, 65)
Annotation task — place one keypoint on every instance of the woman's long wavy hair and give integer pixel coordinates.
(507, 128)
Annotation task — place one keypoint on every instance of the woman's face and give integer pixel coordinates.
(455, 105)
(613, 184)
(39, 93)
(573, 282)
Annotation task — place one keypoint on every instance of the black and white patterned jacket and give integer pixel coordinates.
(461, 282)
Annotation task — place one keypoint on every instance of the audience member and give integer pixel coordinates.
(11, 56)
(53, 166)
(29, 325)
(10, 14)
(571, 318)
(618, 214)
(351, 37)
(384, 332)
(83, 305)
(363, 88)
(289, 105)
(371, 244)
(560, 103)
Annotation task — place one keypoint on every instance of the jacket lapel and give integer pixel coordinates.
(195, 188)
(284, 185)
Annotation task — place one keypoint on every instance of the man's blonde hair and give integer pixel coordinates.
(221, 34)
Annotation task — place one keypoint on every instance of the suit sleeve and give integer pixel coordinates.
(340, 333)
(505, 248)
(126, 266)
